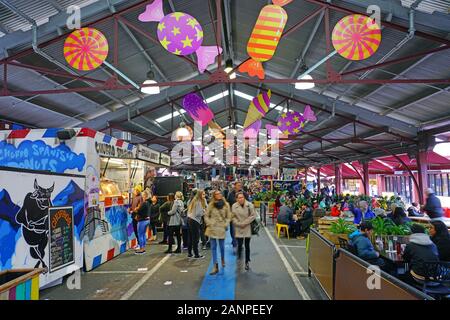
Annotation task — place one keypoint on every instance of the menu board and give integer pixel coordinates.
(61, 240)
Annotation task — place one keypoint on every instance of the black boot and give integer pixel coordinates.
(215, 270)
(169, 250)
(178, 250)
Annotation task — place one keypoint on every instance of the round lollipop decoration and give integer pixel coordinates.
(356, 37)
(86, 49)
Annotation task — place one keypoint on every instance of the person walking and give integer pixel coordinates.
(175, 222)
(143, 220)
(243, 214)
(154, 216)
(433, 207)
(165, 218)
(196, 211)
(231, 200)
(135, 204)
(217, 219)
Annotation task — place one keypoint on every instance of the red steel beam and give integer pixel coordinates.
(395, 61)
(241, 80)
(54, 72)
(386, 23)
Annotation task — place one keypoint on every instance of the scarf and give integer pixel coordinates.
(219, 204)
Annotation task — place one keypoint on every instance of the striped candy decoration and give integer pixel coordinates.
(356, 37)
(86, 49)
(265, 37)
(256, 111)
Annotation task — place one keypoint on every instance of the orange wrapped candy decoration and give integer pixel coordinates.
(265, 37)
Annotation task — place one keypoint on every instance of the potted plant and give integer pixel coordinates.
(339, 229)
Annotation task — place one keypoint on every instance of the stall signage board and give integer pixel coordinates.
(111, 151)
(61, 237)
(147, 154)
(165, 160)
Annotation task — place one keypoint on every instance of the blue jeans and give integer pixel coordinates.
(142, 230)
(214, 248)
(233, 238)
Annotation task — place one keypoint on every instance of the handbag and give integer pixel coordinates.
(254, 225)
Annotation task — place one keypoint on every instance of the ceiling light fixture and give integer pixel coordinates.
(303, 76)
(150, 80)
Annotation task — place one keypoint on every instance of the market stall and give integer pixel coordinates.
(52, 217)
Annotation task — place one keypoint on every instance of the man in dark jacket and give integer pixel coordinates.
(304, 222)
(433, 206)
(165, 218)
(419, 250)
(360, 240)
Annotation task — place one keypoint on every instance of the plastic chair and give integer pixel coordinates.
(279, 227)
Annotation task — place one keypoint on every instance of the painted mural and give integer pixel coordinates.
(24, 219)
(37, 155)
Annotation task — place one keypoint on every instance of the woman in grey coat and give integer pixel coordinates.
(175, 222)
(196, 211)
(243, 214)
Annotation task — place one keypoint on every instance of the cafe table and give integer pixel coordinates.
(426, 220)
(395, 259)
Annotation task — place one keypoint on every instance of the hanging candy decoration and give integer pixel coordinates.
(180, 34)
(256, 111)
(265, 37)
(356, 37)
(283, 139)
(200, 112)
(86, 49)
(293, 122)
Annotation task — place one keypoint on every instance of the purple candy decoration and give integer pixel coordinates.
(197, 109)
(180, 34)
(290, 122)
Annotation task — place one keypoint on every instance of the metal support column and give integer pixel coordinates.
(422, 172)
(365, 165)
(338, 177)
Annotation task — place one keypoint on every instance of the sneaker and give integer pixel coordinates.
(199, 257)
(301, 238)
(136, 247)
(190, 255)
(139, 252)
(247, 266)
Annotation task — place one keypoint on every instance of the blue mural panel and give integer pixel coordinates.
(37, 155)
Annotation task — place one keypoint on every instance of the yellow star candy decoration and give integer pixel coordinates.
(165, 43)
(296, 130)
(284, 115)
(279, 123)
(288, 123)
(192, 22)
(176, 31)
(177, 15)
(199, 34)
(161, 26)
(187, 42)
(286, 132)
(296, 119)
(177, 52)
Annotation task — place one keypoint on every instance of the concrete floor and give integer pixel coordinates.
(271, 277)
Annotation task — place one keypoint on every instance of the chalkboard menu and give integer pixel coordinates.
(61, 239)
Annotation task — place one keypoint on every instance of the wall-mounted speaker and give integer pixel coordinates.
(66, 134)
